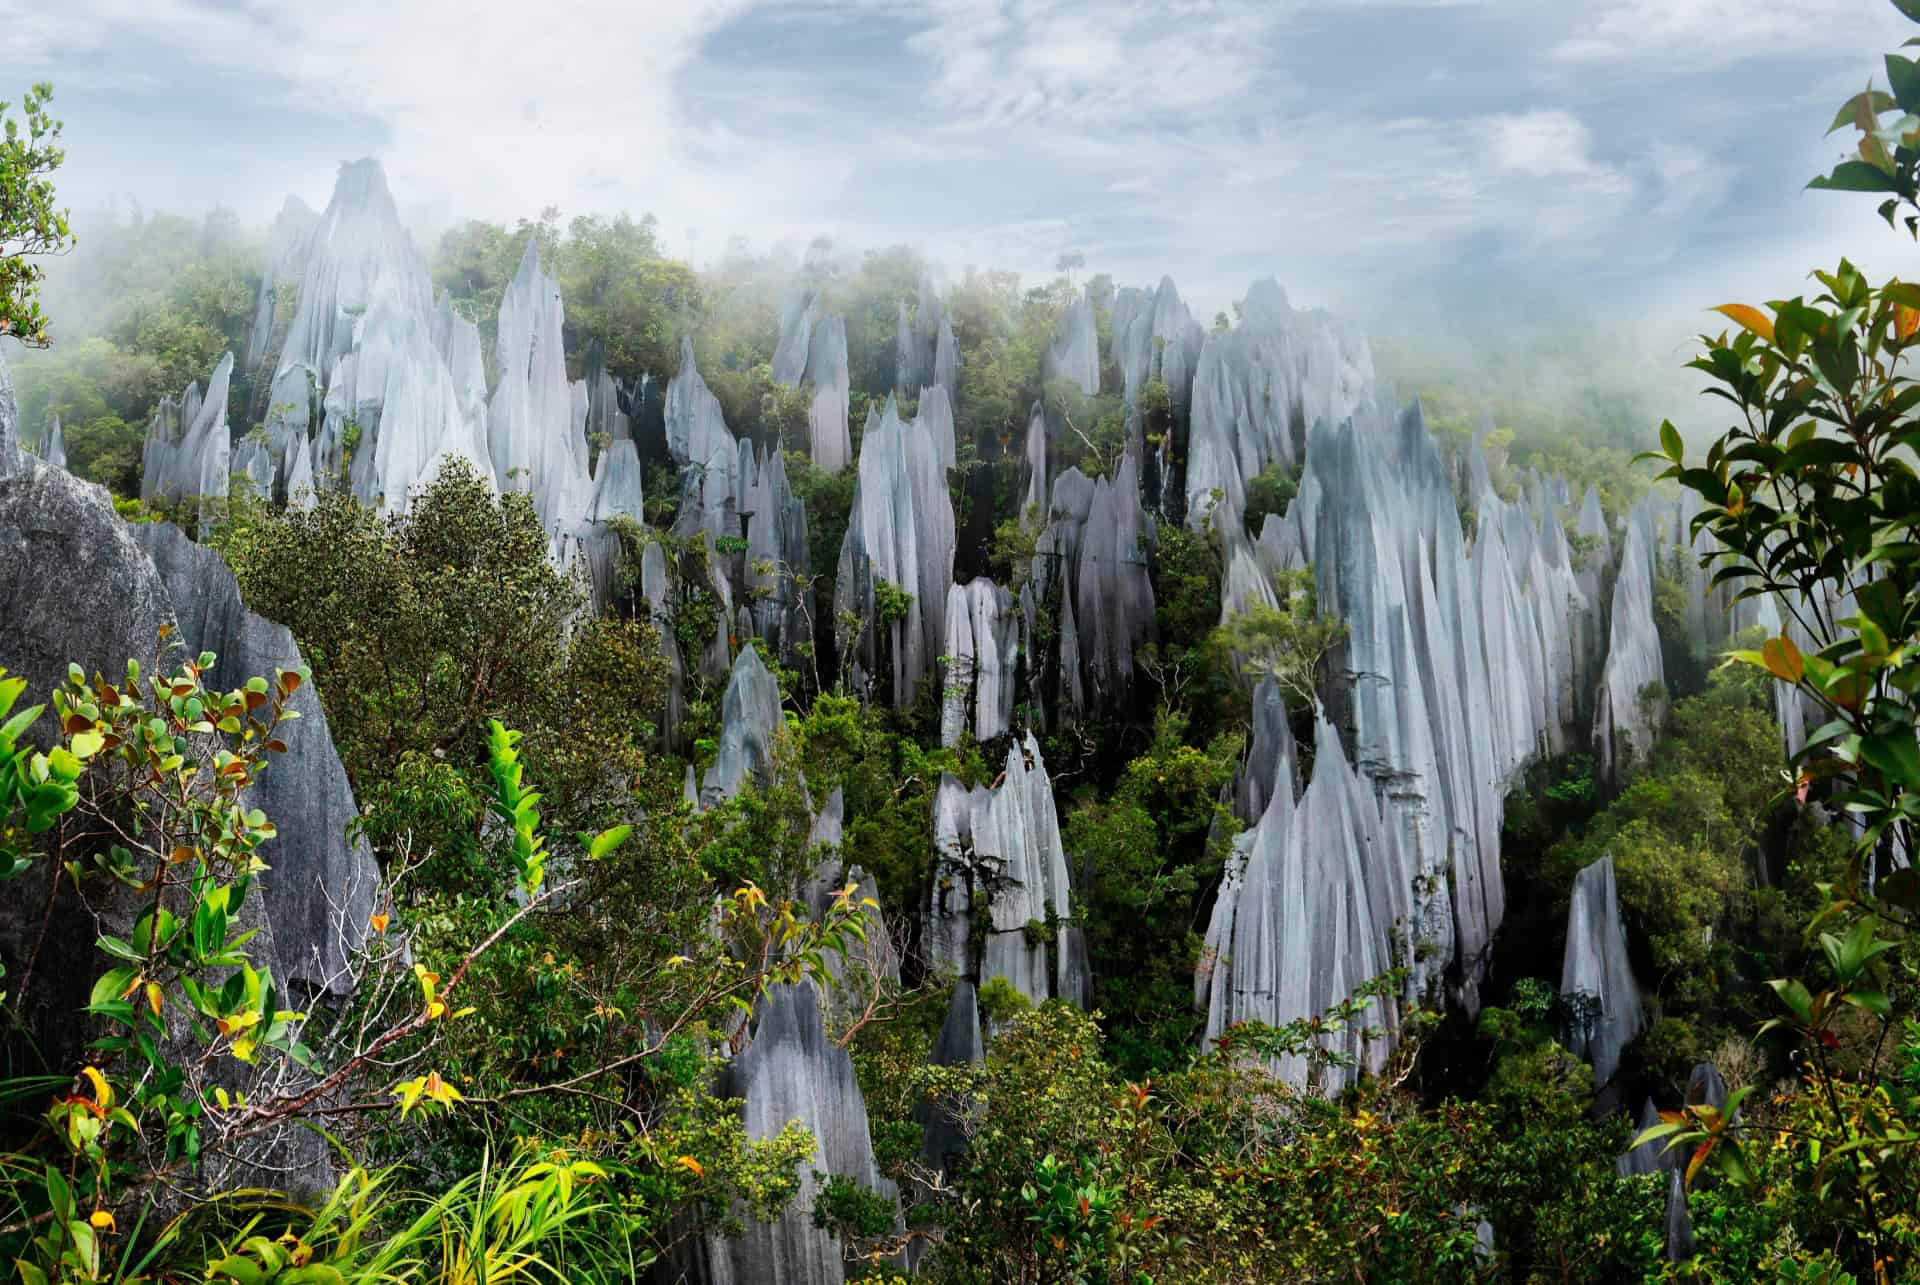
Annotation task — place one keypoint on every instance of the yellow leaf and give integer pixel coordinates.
(379, 923)
(1906, 321)
(691, 1166)
(154, 997)
(1748, 318)
(102, 1091)
(102, 1220)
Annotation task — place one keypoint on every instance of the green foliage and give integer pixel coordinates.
(1810, 495)
(30, 224)
(1269, 492)
(1287, 643)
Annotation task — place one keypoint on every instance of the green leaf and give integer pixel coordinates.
(111, 985)
(1909, 8)
(1670, 441)
(608, 840)
(1855, 176)
(1795, 996)
(1903, 77)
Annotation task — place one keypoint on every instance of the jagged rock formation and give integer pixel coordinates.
(1306, 911)
(791, 1071)
(704, 451)
(321, 892)
(943, 1136)
(981, 654)
(1075, 352)
(813, 350)
(1258, 389)
(749, 717)
(283, 264)
(1111, 583)
(1155, 337)
(189, 449)
(999, 853)
(252, 465)
(900, 534)
(52, 446)
(537, 419)
(1596, 975)
(1631, 702)
(1034, 494)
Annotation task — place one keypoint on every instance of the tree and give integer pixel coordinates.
(1287, 642)
(1811, 497)
(1069, 262)
(30, 224)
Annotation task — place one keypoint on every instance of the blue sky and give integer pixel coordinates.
(1454, 165)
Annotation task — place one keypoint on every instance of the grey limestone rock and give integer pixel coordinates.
(900, 533)
(704, 451)
(790, 1071)
(1114, 607)
(1630, 703)
(1679, 1224)
(321, 891)
(749, 717)
(1259, 387)
(536, 421)
(283, 265)
(1596, 969)
(980, 657)
(999, 853)
(942, 1124)
(1075, 352)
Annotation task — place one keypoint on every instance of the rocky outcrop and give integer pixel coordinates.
(1113, 589)
(999, 854)
(321, 891)
(1074, 354)
(1596, 976)
(1306, 914)
(536, 420)
(360, 266)
(1156, 337)
(900, 540)
(1631, 701)
(749, 718)
(1258, 389)
(981, 654)
(812, 350)
(283, 265)
(704, 451)
(791, 1072)
(194, 465)
(52, 446)
(942, 1126)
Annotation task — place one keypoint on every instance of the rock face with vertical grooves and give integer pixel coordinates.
(900, 533)
(999, 854)
(1457, 668)
(360, 265)
(749, 717)
(704, 451)
(980, 658)
(1156, 337)
(536, 420)
(1597, 969)
(1257, 390)
(812, 350)
(1075, 352)
(791, 1071)
(197, 463)
(1306, 914)
(1113, 589)
(942, 1136)
(1627, 708)
(283, 264)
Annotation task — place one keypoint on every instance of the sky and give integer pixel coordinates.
(1453, 168)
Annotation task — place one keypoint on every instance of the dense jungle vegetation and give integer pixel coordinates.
(563, 946)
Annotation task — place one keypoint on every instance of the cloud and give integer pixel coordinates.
(1718, 33)
(1540, 144)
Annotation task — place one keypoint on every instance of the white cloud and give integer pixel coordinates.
(1540, 143)
(1718, 33)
